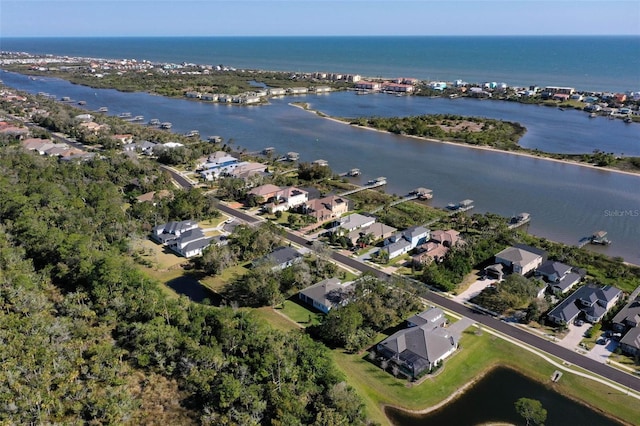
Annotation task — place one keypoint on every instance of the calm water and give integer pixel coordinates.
(492, 400)
(567, 202)
(587, 63)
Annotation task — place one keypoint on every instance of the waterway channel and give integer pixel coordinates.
(566, 202)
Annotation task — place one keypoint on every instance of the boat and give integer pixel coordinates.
(103, 109)
(82, 102)
(379, 181)
(192, 133)
(124, 115)
(154, 122)
(65, 99)
(138, 118)
(354, 172)
(166, 125)
(519, 220)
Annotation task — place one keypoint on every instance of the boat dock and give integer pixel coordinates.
(462, 206)
(519, 220)
(598, 238)
(396, 202)
(350, 173)
(374, 183)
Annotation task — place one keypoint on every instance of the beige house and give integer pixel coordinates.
(327, 208)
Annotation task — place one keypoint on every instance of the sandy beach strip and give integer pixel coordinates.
(478, 147)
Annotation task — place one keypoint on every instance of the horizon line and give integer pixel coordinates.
(318, 35)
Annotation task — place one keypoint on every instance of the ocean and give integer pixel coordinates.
(589, 63)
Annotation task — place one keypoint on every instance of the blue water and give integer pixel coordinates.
(603, 63)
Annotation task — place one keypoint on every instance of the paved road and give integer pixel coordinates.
(177, 177)
(513, 332)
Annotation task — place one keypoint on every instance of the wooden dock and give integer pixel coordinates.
(396, 202)
(372, 184)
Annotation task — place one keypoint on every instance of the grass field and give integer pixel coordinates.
(299, 313)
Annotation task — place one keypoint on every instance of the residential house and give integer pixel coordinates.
(287, 198)
(630, 342)
(561, 277)
(277, 92)
(172, 230)
(429, 252)
(247, 169)
(218, 164)
(326, 208)
(405, 241)
(432, 317)
(629, 315)
(297, 90)
(153, 196)
(264, 192)
(327, 294)
(449, 238)
(368, 85)
(354, 221)
(521, 259)
(591, 300)
(147, 147)
(123, 139)
(280, 258)
(185, 237)
(377, 230)
(420, 347)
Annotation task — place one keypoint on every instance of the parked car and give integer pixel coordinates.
(579, 322)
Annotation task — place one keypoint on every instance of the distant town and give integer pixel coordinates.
(385, 280)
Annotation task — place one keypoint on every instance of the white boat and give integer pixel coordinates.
(103, 109)
(165, 125)
(138, 118)
(154, 122)
(125, 115)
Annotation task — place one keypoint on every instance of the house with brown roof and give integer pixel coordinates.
(329, 207)
(264, 192)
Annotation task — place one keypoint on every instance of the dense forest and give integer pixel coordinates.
(87, 338)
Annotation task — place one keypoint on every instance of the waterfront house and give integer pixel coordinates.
(591, 300)
(420, 347)
(354, 221)
(247, 169)
(280, 258)
(277, 92)
(327, 294)
(297, 90)
(521, 259)
(629, 315)
(368, 85)
(561, 277)
(327, 208)
(377, 231)
(287, 198)
(405, 241)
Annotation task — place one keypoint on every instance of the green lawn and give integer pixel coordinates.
(477, 355)
(299, 313)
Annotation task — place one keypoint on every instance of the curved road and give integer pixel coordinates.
(516, 333)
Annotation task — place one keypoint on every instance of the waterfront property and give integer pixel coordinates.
(327, 294)
(423, 345)
(437, 247)
(592, 301)
(560, 277)
(326, 208)
(405, 241)
(520, 259)
(629, 315)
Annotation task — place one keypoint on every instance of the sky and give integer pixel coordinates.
(108, 18)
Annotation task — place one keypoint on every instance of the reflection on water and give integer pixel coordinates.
(492, 400)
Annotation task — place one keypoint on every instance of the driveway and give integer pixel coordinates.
(574, 336)
(601, 352)
(473, 290)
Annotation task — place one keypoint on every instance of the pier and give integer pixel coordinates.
(374, 183)
(519, 220)
(462, 206)
(598, 238)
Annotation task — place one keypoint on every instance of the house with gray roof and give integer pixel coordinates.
(327, 294)
(418, 349)
(629, 315)
(561, 277)
(520, 259)
(432, 317)
(354, 221)
(184, 237)
(630, 342)
(405, 241)
(591, 300)
(280, 258)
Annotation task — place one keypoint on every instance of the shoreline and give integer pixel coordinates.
(477, 147)
(467, 386)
